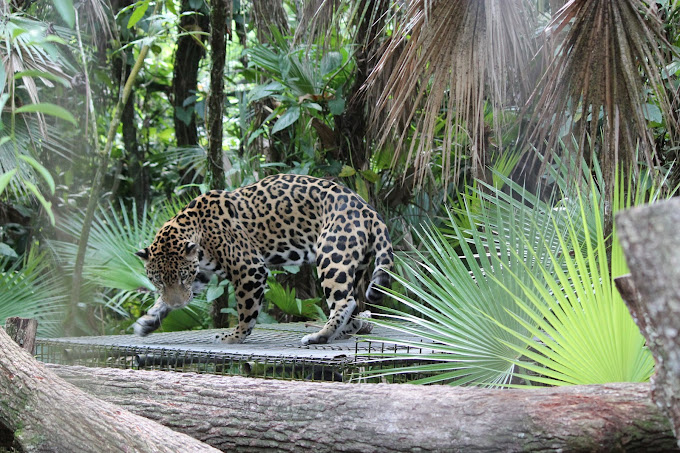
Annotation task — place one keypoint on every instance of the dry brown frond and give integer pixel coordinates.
(317, 18)
(266, 14)
(458, 56)
(595, 82)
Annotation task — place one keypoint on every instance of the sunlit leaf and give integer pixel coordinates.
(138, 13)
(66, 11)
(347, 171)
(289, 117)
(40, 169)
(47, 205)
(48, 109)
(5, 179)
(42, 74)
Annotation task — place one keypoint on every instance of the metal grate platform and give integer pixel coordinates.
(271, 351)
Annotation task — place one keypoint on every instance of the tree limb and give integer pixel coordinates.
(248, 414)
(47, 414)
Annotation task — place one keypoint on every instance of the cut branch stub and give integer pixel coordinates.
(22, 331)
(650, 238)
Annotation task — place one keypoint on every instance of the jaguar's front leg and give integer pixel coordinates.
(249, 288)
(152, 319)
(159, 310)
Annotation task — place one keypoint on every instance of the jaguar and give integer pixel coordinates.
(280, 220)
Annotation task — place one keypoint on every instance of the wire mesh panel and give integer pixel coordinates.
(271, 351)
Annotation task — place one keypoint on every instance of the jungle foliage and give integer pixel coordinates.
(460, 121)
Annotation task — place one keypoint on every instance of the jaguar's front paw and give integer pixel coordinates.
(314, 338)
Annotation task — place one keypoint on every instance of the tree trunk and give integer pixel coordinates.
(247, 414)
(350, 127)
(98, 185)
(48, 414)
(220, 21)
(185, 77)
(650, 238)
(220, 16)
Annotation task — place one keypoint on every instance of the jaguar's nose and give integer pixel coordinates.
(176, 297)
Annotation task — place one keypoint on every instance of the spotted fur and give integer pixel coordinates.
(280, 220)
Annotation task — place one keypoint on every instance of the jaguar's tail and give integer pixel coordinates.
(384, 261)
(152, 319)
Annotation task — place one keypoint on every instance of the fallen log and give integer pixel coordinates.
(247, 414)
(650, 238)
(47, 414)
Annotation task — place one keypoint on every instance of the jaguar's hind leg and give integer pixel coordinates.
(337, 283)
(359, 324)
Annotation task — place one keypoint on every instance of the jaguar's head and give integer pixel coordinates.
(172, 267)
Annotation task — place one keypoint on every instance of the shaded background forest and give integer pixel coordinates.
(509, 125)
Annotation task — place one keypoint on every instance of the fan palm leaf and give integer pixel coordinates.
(30, 289)
(557, 301)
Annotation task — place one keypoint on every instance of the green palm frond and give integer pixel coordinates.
(116, 235)
(29, 52)
(29, 289)
(461, 308)
(454, 58)
(584, 333)
(531, 297)
(26, 136)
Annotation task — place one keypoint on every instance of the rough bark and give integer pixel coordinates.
(220, 15)
(351, 126)
(220, 23)
(249, 414)
(650, 237)
(48, 414)
(266, 14)
(185, 77)
(22, 331)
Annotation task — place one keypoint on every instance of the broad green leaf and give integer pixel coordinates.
(652, 113)
(6, 250)
(347, 171)
(3, 75)
(40, 169)
(362, 189)
(213, 292)
(48, 109)
(5, 178)
(18, 32)
(41, 198)
(263, 91)
(288, 118)
(3, 100)
(336, 106)
(138, 13)
(41, 74)
(170, 4)
(370, 176)
(66, 11)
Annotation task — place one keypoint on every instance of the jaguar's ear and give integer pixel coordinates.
(143, 254)
(190, 250)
